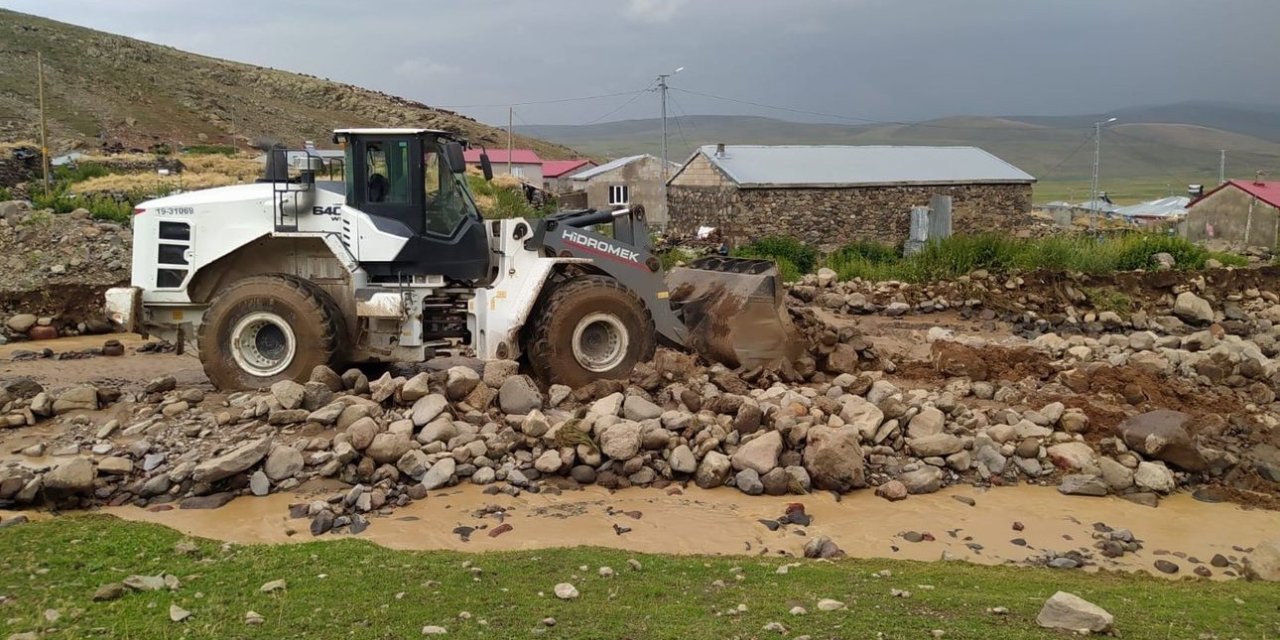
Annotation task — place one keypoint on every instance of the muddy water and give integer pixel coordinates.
(727, 522)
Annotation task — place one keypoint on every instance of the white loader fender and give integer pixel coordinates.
(123, 305)
(498, 312)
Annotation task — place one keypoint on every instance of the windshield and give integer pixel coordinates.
(448, 202)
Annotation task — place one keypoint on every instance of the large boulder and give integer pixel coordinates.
(427, 408)
(83, 398)
(288, 393)
(622, 441)
(760, 454)
(440, 474)
(1073, 613)
(1192, 309)
(938, 444)
(519, 395)
(834, 459)
(1163, 435)
(713, 470)
(21, 323)
(284, 462)
(1263, 563)
(1074, 456)
(387, 447)
(460, 382)
(860, 414)
(73, 476)
(235, 461)
(928, 422)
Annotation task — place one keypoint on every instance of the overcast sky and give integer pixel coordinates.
(876, 59)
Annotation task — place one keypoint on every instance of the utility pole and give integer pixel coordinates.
(44, 130)
(510, 114)
(662, 89)
(1094, 194)
(1222, 166)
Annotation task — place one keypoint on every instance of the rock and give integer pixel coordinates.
(637, 408)
(496, 372)
(1082, 484)
(583, 474)
(519, 395)
(535, 424)
(748, 482)
(566, 591)
(273, 586)
(1116, 475)
(211, 501)
(460, 381)
(115, 466)
(929, 422)
(414, 464)
(83, 398)
(71, 477)
(1166, 567)
(827, 604)
(1073, 456)
(1073, 613)
(713, 470)
(387, 448)
(1193, 309)
(236, 461)
(440, 474)
(434, 630)
(822, 547)
(892, 491)
(322, 523)
(622, 440)
(283, 463)
(760, 454)
(259, 484)
(21, 323)
(682, 460)
(834, 459)
(288, 393)
(109, 591)
(253, 617)
(1163, 435)
(861, 415)
(361, 433)
(549, 462)
(144, 583)
(1263, 563)
(328, 377)
(926, 479)
(384, 387)
(178, 614)
(428, 408)
(416, 387)
(939, 444)
(1154, 477)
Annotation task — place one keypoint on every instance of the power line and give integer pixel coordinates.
(530, 102)
(635, 96)
(1048, 174)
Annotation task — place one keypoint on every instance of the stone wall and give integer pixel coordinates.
(643, 178)
(829, 218)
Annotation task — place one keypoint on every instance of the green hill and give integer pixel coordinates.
(104, 88)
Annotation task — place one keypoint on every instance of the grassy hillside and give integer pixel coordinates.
(107, 88)
(1149, 152)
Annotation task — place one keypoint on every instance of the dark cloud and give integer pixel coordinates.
(878, 59)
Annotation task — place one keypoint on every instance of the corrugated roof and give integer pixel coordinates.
(610, 166)
(844, 166)
(1268, 192)
(557, 168)
(499, 156)
(1161, 208)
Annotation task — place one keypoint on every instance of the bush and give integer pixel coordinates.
(798, 255)
(79, 172)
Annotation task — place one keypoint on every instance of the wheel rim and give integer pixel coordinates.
(263, 344)
(600, 342)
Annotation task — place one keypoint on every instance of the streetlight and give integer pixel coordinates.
(1097, 157)
(662, 86)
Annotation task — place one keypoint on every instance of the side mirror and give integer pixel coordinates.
(486, 167)
(453, 155)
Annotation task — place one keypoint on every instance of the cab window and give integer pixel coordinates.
(387, 172)
(446, 205)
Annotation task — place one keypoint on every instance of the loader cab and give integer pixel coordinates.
(411, 183)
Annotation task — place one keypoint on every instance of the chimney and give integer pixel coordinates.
(720, 150)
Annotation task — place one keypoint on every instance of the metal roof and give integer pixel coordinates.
(1161, 208)
(389, 132)
(1268, 192)
(559, 168)
(610, 166)
(754, 166)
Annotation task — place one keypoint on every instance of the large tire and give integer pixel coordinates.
(588, 328)
(264, 329)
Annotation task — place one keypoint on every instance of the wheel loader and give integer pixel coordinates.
(394, 263)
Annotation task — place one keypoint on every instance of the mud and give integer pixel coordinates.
(725, 522)
(129, 373)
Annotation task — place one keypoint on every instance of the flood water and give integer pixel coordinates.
(727, 522)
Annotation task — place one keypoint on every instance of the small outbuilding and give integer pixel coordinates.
(626, 182)
(556, 173)
(833, 195)
(1240, 212)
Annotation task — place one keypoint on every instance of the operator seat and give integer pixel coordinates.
(378, 187)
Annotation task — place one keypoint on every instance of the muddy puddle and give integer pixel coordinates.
(1181, 530)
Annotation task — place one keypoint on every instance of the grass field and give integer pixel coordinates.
(349, 588)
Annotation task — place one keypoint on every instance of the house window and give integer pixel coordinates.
(517, 171)
(619, 194)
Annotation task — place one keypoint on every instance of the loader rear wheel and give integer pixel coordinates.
(588, 328)
(264, 329)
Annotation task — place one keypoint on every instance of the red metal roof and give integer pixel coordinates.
(499, 156)
(1268, 192)
(557, 168)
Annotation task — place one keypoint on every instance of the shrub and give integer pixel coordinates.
(800, 256)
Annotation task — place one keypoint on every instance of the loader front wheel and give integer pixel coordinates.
(265, 329)
(588, 328)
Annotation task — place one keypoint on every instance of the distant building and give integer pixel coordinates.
(525, 163)
(832, 195)
(1155, 211)
(626, 182)
(1240, 212)
(556, 173)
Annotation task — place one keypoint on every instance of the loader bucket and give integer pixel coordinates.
(734, 312)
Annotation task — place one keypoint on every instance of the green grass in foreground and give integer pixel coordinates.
(350, 588)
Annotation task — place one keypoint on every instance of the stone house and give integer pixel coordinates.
(524, 163)
(626, 182)
(1240, 212)
(556, 173)
(829, 196)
